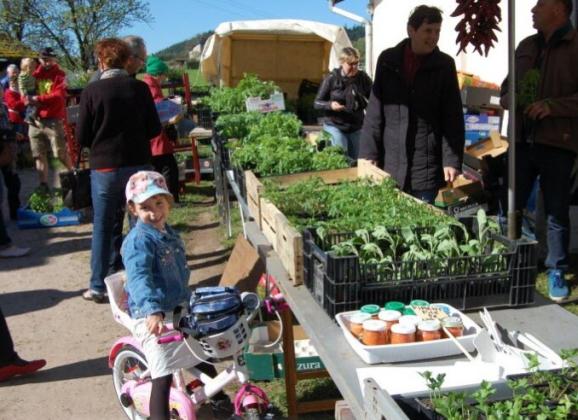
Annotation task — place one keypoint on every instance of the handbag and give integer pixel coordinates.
(75, 186)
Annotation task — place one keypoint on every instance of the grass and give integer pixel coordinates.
(183, 214)
(307, 390)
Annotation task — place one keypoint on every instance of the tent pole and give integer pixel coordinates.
(512, 216)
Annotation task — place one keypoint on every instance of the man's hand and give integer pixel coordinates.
(450, 174)
(336, 106)
(538, 110)
(155, 324)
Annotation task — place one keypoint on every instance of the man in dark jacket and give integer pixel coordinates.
(547, 126)
(414, 125)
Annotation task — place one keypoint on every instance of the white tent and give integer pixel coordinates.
(285, 51)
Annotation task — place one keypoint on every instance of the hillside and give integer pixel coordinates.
(180, 50)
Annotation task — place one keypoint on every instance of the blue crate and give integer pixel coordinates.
(28, 219)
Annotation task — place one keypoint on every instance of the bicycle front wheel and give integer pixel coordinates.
(129, 365)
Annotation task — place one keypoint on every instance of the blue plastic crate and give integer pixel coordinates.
(28, 219)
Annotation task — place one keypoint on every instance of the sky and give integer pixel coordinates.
(178, 20)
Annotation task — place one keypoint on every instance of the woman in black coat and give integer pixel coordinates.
(117, 120)
(344, 94)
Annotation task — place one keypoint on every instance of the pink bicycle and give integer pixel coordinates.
(132, 380)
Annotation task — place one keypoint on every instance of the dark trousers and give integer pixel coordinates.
(4, 238)
(12, 182)
(167, 166)
(7, 353)
(554, 167)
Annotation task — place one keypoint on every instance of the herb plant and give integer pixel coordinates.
(538, 395)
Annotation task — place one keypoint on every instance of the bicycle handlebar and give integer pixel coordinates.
(170, 338)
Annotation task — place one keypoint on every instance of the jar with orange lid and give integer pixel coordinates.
(429, 330)
(402, 334)
(356, 323)
(373, 310)
(374, 333)
(453, 325)
(390, 317)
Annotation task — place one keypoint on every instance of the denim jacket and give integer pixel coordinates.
(156, 268)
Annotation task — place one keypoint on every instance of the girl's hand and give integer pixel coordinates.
(155, 324)
(336, 106)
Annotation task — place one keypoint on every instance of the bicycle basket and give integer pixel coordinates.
(212, 310)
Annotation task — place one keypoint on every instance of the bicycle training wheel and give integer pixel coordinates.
(129, 364)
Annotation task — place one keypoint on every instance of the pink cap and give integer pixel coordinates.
(145, 184)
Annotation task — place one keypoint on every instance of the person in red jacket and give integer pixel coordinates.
(48, 129)
(162, 147)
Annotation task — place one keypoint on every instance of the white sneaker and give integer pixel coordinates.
(13, 251)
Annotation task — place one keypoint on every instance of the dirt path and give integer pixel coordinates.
(40, 296)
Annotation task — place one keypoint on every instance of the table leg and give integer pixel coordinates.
(289, 360)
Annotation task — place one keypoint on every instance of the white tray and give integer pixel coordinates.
(390, 353)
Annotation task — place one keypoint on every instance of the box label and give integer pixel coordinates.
(275, 103)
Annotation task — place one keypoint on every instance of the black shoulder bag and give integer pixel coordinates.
(75, 185)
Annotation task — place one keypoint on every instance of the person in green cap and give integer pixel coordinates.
(162, 147)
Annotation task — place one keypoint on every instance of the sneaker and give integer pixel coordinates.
(14, 251)
(557, 287)
(20, 367)
(93, 295)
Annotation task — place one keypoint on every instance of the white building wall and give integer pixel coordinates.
(390, 27)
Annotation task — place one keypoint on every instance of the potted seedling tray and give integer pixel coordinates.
(391, 353)
(286, 239)
(344, 283)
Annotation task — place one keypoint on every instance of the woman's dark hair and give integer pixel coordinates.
(112, 52)
(424, 14)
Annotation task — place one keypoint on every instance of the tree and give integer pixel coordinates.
(71, 27)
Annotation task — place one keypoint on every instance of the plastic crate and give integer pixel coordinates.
(342, 284)
(205, 117)
(239, 176)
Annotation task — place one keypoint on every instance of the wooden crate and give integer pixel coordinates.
(286, 240)
(255, 186)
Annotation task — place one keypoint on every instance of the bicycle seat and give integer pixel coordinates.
(118, 299)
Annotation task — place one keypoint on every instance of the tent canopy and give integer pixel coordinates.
(285, 51)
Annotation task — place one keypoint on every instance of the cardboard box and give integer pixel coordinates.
(267, 363)
(244, 267)
(476, 155)
(481, 122)
(462, 191)
(275, 103)
(473, 137)
(476, 97)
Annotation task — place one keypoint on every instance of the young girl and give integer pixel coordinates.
(157, 281)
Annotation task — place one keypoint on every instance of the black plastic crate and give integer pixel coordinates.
(205, 117)
(239, 177)
(342, 284)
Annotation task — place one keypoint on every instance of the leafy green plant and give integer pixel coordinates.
(528, 88)
(539, 395)
(42, 201)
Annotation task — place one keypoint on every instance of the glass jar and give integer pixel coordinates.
(412, 320)
(390, 317)
(402, 334)
(374, 333)
(394, 306)
(372, 310)
(453, 325)
(429, 330)
(356, 323)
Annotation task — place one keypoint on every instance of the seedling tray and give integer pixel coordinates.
(342, 284)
